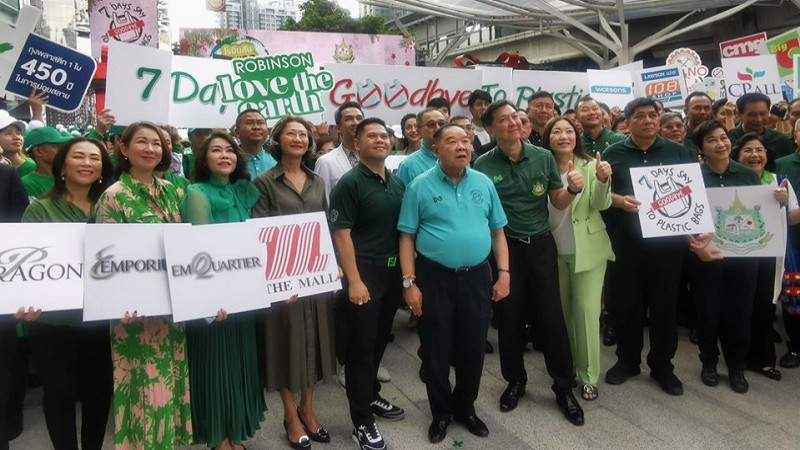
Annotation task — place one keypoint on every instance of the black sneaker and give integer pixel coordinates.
(385, 410)
(368, 437)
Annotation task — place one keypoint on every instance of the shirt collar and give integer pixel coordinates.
(137, 186)
(258, 156)
(277, 171)
(367, 172)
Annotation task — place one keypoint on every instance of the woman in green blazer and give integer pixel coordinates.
(583, 248)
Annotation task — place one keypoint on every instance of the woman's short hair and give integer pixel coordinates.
(277, 130)
(106, 173)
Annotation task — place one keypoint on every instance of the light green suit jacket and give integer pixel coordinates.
(592, 245)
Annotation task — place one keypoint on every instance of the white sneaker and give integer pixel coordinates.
(383, 374)
(342, 380)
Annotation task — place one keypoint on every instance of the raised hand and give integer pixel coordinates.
(602, 168)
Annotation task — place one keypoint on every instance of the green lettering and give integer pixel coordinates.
(176, 87)
(155, 73)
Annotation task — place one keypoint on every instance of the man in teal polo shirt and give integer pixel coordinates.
(428, 121)
(526, 177)
(252, 131)
(365, 206)
(754, 110)
(451, 218)
(649, 270)
(595, 136)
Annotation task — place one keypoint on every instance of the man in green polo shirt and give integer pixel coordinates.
(450, 219)
(649, 270)
(42, 144)
(365, 206)
(595, 136)
(428, 121)
(753, 108)
(526, 177)
(697, 108)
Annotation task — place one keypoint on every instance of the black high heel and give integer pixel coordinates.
(302, 444)
(321, 435)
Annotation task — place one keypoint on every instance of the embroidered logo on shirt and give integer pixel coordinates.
(538, 188)
(334, 215)
(437, 199)
(477, 197)
(497, 178)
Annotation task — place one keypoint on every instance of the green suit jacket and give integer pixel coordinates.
(592, 245)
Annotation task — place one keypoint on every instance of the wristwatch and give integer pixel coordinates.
(409, 281)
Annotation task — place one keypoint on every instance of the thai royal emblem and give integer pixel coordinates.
(538, 188)
(740, 229)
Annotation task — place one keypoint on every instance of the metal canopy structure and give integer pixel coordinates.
(601, 24)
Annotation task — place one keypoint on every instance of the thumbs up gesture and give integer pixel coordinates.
(782, 193)
(602, 168)
(574, 179)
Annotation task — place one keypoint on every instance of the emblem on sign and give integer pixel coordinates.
(740, 229)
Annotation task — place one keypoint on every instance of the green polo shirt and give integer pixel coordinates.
(790, 166)
(27, 167)
(778, 145)
(416, 163)
(605, 139)
(451, 222)
(523, 186)
(736, 175)
(37, 184)
(369, 206)
(626, 154)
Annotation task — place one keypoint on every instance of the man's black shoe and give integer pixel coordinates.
(669, 382)
(619, 373)
(423, 375)
(708, 374)
(437, 431)
(609, 336)
(738, 382)
(570, 407)
(790, 360)
(474, 425)
(511, 396)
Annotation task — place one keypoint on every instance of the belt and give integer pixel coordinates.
(390, 261)
(534, 238)
(462, 269)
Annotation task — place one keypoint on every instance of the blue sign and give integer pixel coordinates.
(62, 73)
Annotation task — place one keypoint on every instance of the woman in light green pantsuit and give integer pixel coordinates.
(583, 249)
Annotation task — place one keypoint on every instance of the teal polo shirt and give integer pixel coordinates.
(369, 206)
(626, 154)
(604, 139)
(260, 162)
(523, 186)
(452, 223)
(416, 163)
(778, 145)
(735, 175)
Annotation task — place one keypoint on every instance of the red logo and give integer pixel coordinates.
(293, 250)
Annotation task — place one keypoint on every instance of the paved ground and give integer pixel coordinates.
(634, 415)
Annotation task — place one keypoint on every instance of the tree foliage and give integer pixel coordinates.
(328, 16)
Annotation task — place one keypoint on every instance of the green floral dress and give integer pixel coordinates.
(227, 400)
(152, 407)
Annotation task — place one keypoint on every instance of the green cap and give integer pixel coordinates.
(44, 135)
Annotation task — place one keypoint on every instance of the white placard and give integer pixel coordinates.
(498, 82)
(207, 273)
(612, 87)
(752, 74)
(748, 222)
(634, 68)
(390, 92)
(196, 93)
(126, 270)
(665, 83)
(139, 91)
(673, 200)
(567, 87)
(300, 258)
(41, 265)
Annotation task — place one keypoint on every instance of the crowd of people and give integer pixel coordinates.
(519, 218)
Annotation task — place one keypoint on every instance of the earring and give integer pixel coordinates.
(100, 180)
(63, 177)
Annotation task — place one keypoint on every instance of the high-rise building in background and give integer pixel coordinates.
(382, 11)
(9, 10)
(258, 14)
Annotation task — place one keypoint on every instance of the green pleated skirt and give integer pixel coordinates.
(227, 399)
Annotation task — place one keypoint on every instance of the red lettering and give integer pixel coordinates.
(342, 92)
(292, 250)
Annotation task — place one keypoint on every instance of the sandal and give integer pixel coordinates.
(589, 392)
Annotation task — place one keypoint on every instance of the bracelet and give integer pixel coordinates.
(569, 189)
(503, 270)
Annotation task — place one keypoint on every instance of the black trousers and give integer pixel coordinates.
(534, 298)
(75, 365)
(724, 299)
(368, 329)
(762, 339)
(452, 330)
(8, 343)
(792, 324)
(647, 276)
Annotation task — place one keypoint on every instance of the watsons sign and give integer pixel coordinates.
(612, 90)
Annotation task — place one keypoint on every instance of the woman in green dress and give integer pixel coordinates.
(151, 377)
(297, 335)
(74, 358)
(227, 400)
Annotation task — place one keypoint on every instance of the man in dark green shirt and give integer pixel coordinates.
(649, 270)
(697, 108)
(595, 136)
(365, 207)
(526, 177)
(754, 110)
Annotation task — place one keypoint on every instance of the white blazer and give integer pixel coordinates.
(330, 167)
